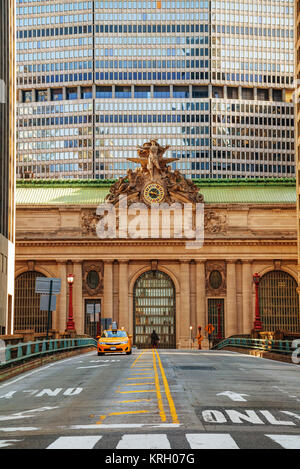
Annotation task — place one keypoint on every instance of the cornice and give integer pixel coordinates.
(225, 205)
(208, 242)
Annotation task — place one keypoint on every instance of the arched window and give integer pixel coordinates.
(27, 304)
(154, 308)
(279, 302)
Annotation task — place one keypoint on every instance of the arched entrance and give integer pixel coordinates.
(154, 307)
(27, 304)
(279, 302)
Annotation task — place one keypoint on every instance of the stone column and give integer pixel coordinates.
(61, 318)
(115, 291)
(247, 296)
(123, 319)
(200, 294)
(239, 297)
(78, 310)
(107, 307)
(185, 319)
(231, 310)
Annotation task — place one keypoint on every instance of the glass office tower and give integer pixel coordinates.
(297, 126)
(213, 79)
(7, 162)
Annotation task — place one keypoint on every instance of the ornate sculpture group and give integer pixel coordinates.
(154, 168)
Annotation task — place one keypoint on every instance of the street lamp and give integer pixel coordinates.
(191, 341)
(70, 321)
(257, 321)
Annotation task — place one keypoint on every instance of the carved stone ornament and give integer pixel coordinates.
(154, 182)
(95, 271)
(214, 222)
(210, 269)
(89, 221)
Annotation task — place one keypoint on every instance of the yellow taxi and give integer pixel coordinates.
(114, 341)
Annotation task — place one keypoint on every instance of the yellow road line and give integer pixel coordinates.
(139, 384)
(138, 374)
(158, 393)
(146, 362)
(137, 359)
(146, 369)
(167, 391)
(140, 365)
(130, 412)
(103, 417)
(141, 390)
(143, 377)
(134, 400)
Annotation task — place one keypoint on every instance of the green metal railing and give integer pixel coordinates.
(267, 345)
(14, 354)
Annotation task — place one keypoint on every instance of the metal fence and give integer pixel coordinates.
(276, 346)
(14, 354)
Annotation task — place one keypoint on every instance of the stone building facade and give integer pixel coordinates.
(249, 227)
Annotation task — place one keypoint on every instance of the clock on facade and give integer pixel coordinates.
(154, 193)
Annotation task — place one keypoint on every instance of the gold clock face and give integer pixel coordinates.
(154, 193)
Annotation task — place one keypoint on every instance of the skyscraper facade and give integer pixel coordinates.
(297, 126)
(212, 79)
(7, 161)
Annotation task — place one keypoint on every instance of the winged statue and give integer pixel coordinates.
(150, 156)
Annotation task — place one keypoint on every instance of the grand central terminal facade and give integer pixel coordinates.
(156, 279)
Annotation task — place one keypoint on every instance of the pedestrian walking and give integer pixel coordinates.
(154, 339)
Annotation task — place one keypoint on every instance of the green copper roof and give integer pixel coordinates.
(60, 195)
(215, 191)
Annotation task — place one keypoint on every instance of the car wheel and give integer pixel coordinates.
(129, 353)
(100, 353)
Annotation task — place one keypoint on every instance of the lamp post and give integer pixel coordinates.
(219, 334)
(191, 341)
(70, 321)
(257, 321)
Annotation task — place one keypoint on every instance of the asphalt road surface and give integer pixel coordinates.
(164, 399)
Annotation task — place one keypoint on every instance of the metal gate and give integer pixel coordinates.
(154, 308)
(213, 313)
(92, 318)
(27, 304)
(279, 302)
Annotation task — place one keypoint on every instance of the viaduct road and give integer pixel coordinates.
(153, 399)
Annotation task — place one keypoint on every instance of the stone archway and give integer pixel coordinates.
(154, 307)
(278, 302)
(27, 313)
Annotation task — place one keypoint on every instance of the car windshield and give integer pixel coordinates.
(114, 334)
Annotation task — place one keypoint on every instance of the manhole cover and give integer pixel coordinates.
(196, 368)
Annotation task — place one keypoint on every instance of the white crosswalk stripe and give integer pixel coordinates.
(157, 441)
(286, 441)
(147, 441)
(211, 441)
(75, 442)
(4, 443)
